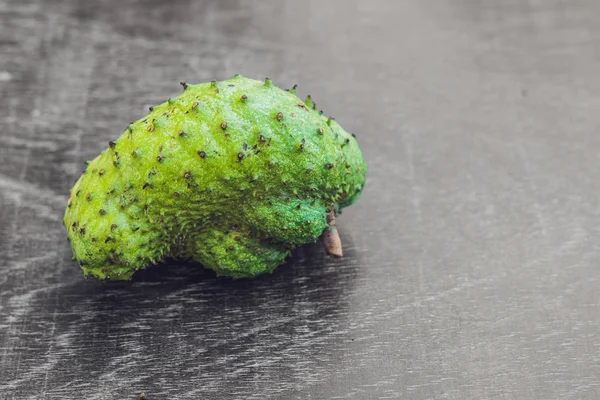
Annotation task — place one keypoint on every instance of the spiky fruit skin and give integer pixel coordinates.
(233, 174)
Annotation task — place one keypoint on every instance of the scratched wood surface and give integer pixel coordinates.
(472, 262)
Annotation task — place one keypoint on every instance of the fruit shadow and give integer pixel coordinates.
(308, 265)
(309, 269)
(184, 318)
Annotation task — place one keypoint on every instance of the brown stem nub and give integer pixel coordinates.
(331, 239)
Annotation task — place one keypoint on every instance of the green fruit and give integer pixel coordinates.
(232, 174)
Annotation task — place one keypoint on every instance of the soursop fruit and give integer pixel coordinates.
(233, 174)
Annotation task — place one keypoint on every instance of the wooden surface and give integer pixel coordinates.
(471, 267)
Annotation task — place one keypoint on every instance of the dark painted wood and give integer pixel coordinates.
(471, 264)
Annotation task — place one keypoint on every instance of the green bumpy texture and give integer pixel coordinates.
(233, 174)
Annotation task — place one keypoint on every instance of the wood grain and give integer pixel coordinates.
(470, 266)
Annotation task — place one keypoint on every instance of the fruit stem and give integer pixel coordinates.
(331, 238)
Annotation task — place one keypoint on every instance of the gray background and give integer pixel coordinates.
(471, 262)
